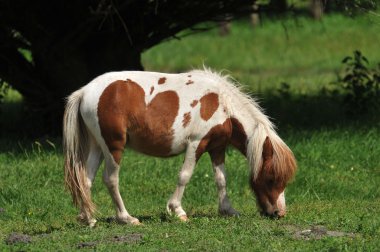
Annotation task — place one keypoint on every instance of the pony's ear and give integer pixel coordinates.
(267, 156)
(283, 164)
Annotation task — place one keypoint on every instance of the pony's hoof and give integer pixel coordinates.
(81, 218)
(128, 220)
(136, 222)
(183, 218)
(229, 212)
(91, 223)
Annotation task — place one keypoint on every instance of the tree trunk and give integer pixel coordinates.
(255, 17)
(224, 28)
(317, 9)
(60, 72)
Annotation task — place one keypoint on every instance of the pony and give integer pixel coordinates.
(163, 115)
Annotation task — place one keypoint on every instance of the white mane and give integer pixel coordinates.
(232, 91)
(241, 105)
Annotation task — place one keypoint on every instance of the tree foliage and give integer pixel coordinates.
(71, 42)
(353, 7)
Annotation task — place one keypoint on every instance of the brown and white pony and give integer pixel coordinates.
(163, 115)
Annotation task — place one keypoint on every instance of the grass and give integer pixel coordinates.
(325, 192)
(336, 186)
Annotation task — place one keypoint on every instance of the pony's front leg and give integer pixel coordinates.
(217, 159)
(174, 204)
(111, 179)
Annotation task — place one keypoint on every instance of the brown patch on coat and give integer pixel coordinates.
(194, 103)
(217, 155)
(217, 138)
(189, 82)
(115, 104)
(154, 135)
(209, 104)
(186, 119)
(239, 137)
(189, 76)
(161, 81)
(151, 90)
(122, 111)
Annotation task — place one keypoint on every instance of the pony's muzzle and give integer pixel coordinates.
(275, 211)
(281, 205)
(276, 214)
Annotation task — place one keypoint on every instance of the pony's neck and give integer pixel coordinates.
(243, 126)
(257, 128)
(245, 110)
(251, 118)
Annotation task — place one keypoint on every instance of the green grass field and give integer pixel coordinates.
(336, 186)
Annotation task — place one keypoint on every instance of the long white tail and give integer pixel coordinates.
(75, 145)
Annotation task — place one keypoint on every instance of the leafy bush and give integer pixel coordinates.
(284, 90)
(352, 7)
(360, 85)
(3, 90)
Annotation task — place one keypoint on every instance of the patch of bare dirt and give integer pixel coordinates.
(129, 238)
(318, 232)
(87, 245)
(14, 238)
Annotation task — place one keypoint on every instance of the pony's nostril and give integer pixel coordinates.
(275, 214)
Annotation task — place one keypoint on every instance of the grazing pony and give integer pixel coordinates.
(163, 115)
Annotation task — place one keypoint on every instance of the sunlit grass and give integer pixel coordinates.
(336, 186)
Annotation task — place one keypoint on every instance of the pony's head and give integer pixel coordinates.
(269, 179)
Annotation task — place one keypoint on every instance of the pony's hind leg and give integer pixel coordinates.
(174, 204)
(94, 159)
(111, 178)
(217, 159)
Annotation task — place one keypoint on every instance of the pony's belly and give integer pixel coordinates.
(154, 145)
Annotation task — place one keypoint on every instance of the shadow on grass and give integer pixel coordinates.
(313, 112)
(289, 113)
(142, 218)
(165, 217)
